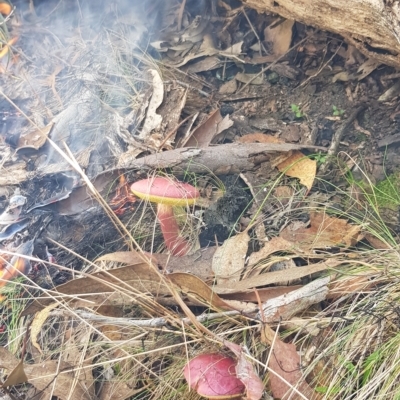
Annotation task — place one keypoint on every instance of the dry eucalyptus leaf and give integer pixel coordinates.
(229, 259)
(125, 257)
(246, 373)
(207, 64)
(295, 164)
(367, 67)
(280, 36)
(194, 287)
(284, 362)
(274, 245)
(324, 231)
(233, 51)
(17, 376)
(52, 376)
(203, 134)
(270, 278)
(229, 87)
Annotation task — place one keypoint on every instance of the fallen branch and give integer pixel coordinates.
(151, 322)
(221, 160)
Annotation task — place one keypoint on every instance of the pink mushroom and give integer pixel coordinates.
(213, 376)
(168, 193)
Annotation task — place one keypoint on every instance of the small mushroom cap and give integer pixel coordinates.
(165, 191)
(214, 376)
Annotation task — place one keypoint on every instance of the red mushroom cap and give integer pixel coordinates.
(214, 376)
(165, 191)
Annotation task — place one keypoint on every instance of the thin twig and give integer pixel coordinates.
(255, 32)
(337, 137)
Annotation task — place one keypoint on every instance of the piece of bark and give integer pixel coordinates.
(372, 26)
(387, 141)
(221, 160)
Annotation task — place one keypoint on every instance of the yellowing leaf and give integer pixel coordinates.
(296, 165)
(37, 323)
(299, 166)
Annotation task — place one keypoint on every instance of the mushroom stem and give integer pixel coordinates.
(170, 230)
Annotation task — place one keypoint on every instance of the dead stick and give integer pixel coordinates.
(222, 159)
(337, 137)
(156, 322)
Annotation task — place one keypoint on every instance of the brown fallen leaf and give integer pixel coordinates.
(246, 373)
(375, 242)
(280, 36)
(192, 286)
(80, 200)
(114, 286)
(274, 245)
(52, 376)
(270, 278)
(198, 264)
(125, 257)
(262, 294)
(138, 277)
(203, 135)
(324, 231)
(351, 284)
(229, 259)
(16, 377)
(259, 137)
(286, 379)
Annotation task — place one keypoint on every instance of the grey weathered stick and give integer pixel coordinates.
(337, 137)
(220, 159)
(287, 305)
(156, 322)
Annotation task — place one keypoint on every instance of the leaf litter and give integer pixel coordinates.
(179, 126)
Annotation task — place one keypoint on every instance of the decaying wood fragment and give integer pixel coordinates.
(290, 304)
(372, 26)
